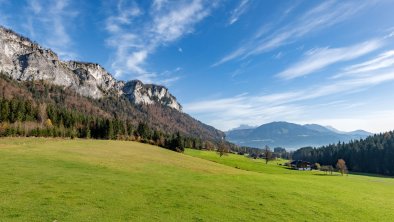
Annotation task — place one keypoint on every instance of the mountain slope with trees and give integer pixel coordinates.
(34, 77)
(42, 110)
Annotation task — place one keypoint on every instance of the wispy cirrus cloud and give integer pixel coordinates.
(236, 13)
(375, 121)
(321, 16)
(135, 39)
(320, 58)
(382, 61)
(227, 113)
(50, 22)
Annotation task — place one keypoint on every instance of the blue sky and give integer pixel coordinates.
(234, 62)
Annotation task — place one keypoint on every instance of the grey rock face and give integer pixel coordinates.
(24, 60)
(141, 93)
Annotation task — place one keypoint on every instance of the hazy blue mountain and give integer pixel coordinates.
(244, 127)
(320, 128)
(356, 132)
(290, 135)
(334, 130)
(360, 132)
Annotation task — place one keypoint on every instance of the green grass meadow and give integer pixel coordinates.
(96, 180)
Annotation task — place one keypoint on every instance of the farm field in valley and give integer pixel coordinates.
(97, 180)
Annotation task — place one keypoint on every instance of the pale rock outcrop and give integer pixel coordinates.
(141, 93)
(25, 60)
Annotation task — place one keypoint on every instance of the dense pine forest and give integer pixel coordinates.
(374, 154)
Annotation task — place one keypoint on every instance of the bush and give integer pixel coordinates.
(316, 166)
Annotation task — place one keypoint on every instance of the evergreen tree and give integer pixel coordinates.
(110, 129)
(5, 110)
(88, 133)
(143, 130)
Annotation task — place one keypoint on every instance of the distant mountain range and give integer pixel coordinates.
(290, 135)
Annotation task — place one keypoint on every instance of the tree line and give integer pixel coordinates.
(375, 154)
(19, 117)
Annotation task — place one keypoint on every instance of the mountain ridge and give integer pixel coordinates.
(26, 60)
(291, 135)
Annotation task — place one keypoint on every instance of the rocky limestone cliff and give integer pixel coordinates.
(139, 93)
(25, 60)
(97, 77)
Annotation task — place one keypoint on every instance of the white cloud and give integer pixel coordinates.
(168, 77)
(135, 59)
(169, 81)
(320, 58)
(235, 54)
(50, 22)
(322, 16)
(227, 113)
(375, 121)
(177, 22)
(134, 41)
(158, 4)
(238, 11)
(384, 60)
(35, 6)
(278, 55)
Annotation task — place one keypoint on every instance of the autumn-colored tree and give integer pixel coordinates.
(48, 123)
(341, 166)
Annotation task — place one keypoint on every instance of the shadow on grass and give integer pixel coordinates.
(318, 173)
(371, 175)
(357, 174)
(324, 174)
(289, 168)
(321, 173)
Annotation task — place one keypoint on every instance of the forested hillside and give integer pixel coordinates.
(375, 154)
(31, 74)
(37, 108)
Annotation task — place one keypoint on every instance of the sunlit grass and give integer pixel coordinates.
(92, 180)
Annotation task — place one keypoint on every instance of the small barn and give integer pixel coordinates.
(301, 165)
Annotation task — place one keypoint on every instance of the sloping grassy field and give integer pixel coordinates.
(92, 180)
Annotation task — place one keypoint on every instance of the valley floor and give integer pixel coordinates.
(92, 180)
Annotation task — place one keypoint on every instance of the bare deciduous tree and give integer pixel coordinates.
(42, 113)
(222, 149)
(327, 169)
(267, 154)
(341, 166)
(209, 145)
